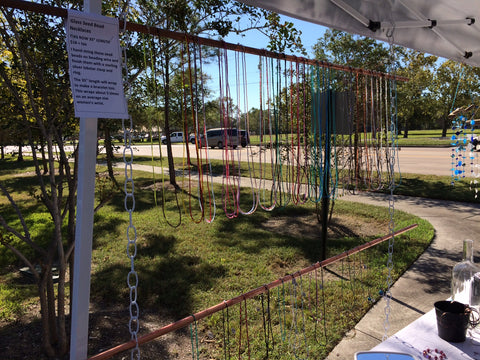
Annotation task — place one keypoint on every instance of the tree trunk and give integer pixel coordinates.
(171, 166)
(20, 153)
(444, 126)
(42, 152)
(72, 187)
(52, 322)
(2, 152)
(110, 156)
(62, 332)
(44, 159)
(47, 346)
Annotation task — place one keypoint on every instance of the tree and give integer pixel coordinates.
(35, 74)
(186, 97)
(211, 17)
(12, 131)
(9, 121)
(352, 50)
(454, 85)
(415, 108)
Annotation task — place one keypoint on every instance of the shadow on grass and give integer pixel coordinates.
(110, 328)
(166, 279)
(10, 164)
(435, 187)
(286, 228)
(20, 341)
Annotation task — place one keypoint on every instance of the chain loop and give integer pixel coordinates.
(129, 188)
(132, 277)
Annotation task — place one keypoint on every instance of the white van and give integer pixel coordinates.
(175, 137)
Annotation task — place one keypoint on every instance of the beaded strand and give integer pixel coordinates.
(434, 354)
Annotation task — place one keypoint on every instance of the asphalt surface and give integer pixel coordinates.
(427, 280)
(416, 160)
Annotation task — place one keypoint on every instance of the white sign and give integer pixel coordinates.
(95, 66)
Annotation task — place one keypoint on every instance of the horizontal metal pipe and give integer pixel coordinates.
(255, 292)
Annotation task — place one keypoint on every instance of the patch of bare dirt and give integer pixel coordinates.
(308, 226)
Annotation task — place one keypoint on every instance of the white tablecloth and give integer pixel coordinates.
(422, 334)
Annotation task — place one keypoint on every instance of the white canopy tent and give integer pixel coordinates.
(446, 28)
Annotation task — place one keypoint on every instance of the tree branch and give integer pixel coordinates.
(20, 255)
(25, 238)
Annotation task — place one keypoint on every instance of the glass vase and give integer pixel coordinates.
(464, 289)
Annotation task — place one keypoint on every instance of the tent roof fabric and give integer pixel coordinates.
(446, 28)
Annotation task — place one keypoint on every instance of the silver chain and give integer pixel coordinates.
(129, 188)
(132, 277)
(391, 168)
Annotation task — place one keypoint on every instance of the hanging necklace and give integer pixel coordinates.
(210, 190)
(243, 90)
(193, 86)
(277, 113)
(162, 174)
(302, 180)
(266, 132)
(229, 188)
(316, 166)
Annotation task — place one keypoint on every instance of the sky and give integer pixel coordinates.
(310, 34)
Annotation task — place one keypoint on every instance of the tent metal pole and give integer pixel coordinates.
(87, 155)
(419, 16)
(426, 23)
(352, 12)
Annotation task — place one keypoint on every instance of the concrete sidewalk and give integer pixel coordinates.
(427, 280)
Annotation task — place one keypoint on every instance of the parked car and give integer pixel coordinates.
(220, 137)
(244, 138)
(475, 143)
(175, 137)
(191, 138)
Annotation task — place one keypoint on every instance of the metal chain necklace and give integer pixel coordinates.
(129, 188)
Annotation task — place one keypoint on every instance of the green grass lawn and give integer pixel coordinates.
(187, 268)
(193, 264)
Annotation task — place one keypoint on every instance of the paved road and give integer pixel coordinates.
(427, 161)
(416, 160)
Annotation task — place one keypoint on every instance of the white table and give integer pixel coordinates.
(422, 334)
